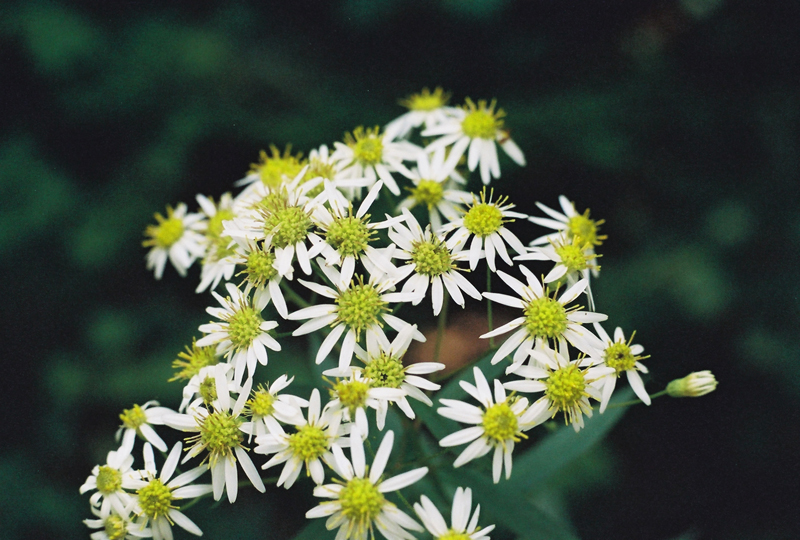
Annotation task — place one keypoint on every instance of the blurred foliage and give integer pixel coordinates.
(676, 121)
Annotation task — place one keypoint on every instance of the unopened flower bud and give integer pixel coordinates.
(694, 384)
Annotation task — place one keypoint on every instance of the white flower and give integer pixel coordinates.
(432, 187)
(485, 222)
(368, 154)
(242, 336)
(217, 263)
(477, 127)
(137, 420)
(266, 403)
(260, 274)
(358, 505)
(118, 525)
(154, 503)
(310, 444)
(620, 355)
(544, 318)
(425, 108)
(358, 308)
(429, 261)
(462, 527)
(496, 424)
(176, 238)
(567, 386)
(204, 385)
(107, 480)
(571, 223)
(347, 237)
(352, 394)
(220, 435)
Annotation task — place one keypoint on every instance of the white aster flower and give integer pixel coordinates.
(429, 261)
(359, 308)
(476, 127)
(485, 222)
(260, 274)
(115, 526)
(433, 188)
(266, 402)
(310, 444)
(154, 503)
(567, 386)
(217, 263)
(368, 154)
(571, 223)
(107, 480)
(462, 527)
(620, 355)
(137, 420)
(544, 319)
(220, 435)
(496, 424)
(345, 237)
(272, 170)
(242, 335)
(352, 394)
(176, 238)
(358, 505)
(425, 108)
(203, 386)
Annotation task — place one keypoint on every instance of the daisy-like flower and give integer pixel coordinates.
(367, 154)
(352, 394)
(217, 263)
(360, 308)
(567, 386)
(485, 222)
(154, 503)
(310, 444)
(346, 237)
(219, 433)
(428, 108)
(496, 424)
(432, 188)
(202, 388)
(192, 360)
(260, 274)
(176, 238)
(266, 402)
(282, 220)
(107, 480)
(137, 421)
(429, 261)
(242, 336)
(358, 504)
(272, 168)
(545, 319)
(621, 356)
(462, 528)
(571, 223)
(115, 526)
(476, 127)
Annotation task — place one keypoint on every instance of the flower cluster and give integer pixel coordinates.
(358, 277)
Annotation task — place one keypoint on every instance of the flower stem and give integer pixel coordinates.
(441, 328)
(637, 401)
(293, 296)
(489, 304)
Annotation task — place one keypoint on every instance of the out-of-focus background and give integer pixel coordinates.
(674, 120)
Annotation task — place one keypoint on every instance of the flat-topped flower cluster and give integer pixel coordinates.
(300, 250)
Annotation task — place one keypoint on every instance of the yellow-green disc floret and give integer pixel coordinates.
(208, 390)
(482, 122)
(485, 217)
(573, 257)
(426, 100)
(500, 423)
(351, 394)
(432, 258)
(262, 403)
(565, 387)
(360, 306)
(585, 229)
(361, 503)
(288, 225)
(454, 535)
(109, 480)
(155, 499)
(366, 144)
(428, 192)
(545, 318)
(115, 527)
(190, 362)
(619, 356)
(244, 326)
(133, 418)
(259, 268)
(214, 234)
(385, 372)
(220, 435)
(349, 235)
(166, 233)
(308, 443)
(272, 168)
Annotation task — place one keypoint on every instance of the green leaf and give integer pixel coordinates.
(313, 531)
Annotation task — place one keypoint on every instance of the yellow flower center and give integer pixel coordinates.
(481, 122)
(545, 318)
(360, 306)
(428, 192)
(155, 499)
(500, 423)
(189, 363)
(385, 372)
(565, 387)
(109, 480)
(133, 418)
(310, 442)
(426, 101)
(366, 144)
(361, 503)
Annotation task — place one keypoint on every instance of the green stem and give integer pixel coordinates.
(293, 296)
(441, 328)
(637, 401)
(489, 304)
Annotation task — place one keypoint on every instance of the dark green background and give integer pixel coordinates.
(676, 121)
